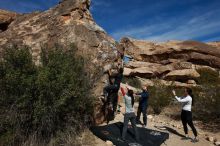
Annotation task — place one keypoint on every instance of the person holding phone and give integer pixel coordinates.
(186, 114)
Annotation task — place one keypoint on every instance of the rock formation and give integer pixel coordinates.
(68, 22)
(176, 61)
(71, 22)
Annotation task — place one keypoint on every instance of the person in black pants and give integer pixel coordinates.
(143, 104)
(186, 114)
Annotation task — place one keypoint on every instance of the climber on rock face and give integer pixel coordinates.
(111, 90)
(110, 99)
(118, 77)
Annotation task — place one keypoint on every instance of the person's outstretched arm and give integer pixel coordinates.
(123, 91)
(186, 99)
(138, 93)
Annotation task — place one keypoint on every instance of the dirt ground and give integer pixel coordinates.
(168, 124)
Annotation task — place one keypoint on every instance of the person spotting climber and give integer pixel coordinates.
(129, 114)
(186, 114)
(143, 104)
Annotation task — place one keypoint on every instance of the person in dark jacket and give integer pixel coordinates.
(143, 104)
(110, 99)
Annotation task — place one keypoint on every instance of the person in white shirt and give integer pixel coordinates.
(186, 114)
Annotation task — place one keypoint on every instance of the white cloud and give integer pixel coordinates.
(99, 3)
(184, 28)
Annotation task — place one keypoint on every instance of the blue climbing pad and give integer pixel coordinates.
(112, 132)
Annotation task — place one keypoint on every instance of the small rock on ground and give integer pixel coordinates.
(210, 138)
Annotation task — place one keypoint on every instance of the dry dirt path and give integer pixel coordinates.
(174, 128)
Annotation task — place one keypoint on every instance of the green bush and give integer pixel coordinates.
(207, 97)
(207, 101)
(208, 77)
(42, 100)
(17, 79)
(160, 97)
(134, 82)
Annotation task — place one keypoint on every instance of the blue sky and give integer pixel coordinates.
(155, 20)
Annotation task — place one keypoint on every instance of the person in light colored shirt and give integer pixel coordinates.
(129, 113)
(186, 114)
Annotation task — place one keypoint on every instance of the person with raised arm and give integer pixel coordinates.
(143, 104)
(129, 112)
(186, 114)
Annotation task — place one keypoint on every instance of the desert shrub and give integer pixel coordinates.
(17, 78)
(134, 82)
(207, 103)
(43, 100)
(207, 96)
(208, 77)
(160, 97)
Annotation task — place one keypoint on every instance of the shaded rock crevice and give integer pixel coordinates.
(4, 26)
(6, 18)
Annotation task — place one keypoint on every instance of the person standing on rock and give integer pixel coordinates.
(143, 104)
(129, 113)
(186, 114)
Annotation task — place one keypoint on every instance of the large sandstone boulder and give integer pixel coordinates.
(127, 71)
(150, 82)
(68, 22)
(176, 61)
(146, 68)
(190, 51)
(142, 71)
(183, 74)
(198, 67)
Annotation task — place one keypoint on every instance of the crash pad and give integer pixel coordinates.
(112, 132)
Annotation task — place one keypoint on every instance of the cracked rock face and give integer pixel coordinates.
(68, 22)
